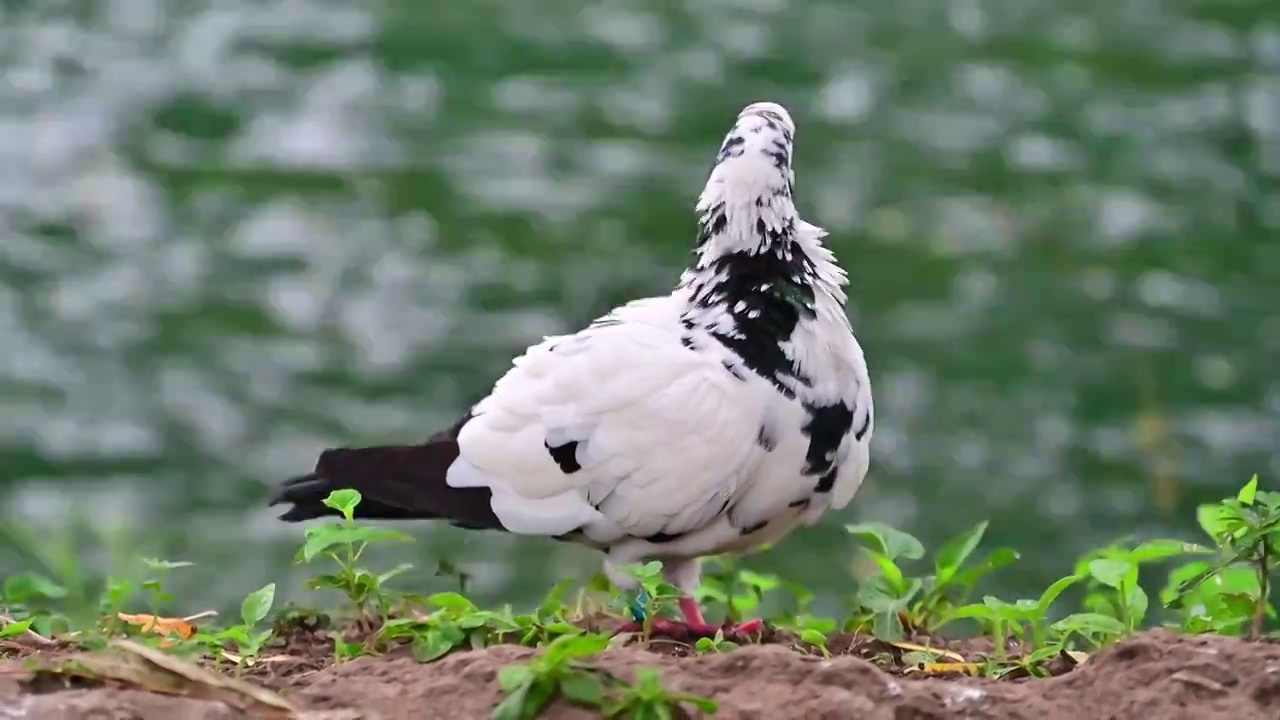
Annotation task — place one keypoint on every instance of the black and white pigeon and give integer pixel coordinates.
(714, 419)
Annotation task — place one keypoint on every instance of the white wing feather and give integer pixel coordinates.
(665, 434)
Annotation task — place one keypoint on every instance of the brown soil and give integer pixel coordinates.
(1158, 674)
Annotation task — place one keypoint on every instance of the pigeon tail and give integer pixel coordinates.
(395, 482)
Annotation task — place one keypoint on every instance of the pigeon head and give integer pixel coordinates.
(761, 279)
(746, 205)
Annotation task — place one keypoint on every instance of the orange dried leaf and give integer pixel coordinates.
(160, 626)
(936, 652)
(967, 668)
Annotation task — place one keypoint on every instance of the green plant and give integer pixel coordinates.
(888, 597)
(247, 637)
(531, 688)
(716, 644)
(739, 590)
(1236, 590)
(345, 542)
(649, 700)
(657, 596)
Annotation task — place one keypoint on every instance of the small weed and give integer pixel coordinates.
(1236, 590)
(531, 688)
(648, 700)
(889, 596)
(247, 637)
(345, 542)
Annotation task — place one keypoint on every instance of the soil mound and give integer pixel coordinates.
(1157, 674)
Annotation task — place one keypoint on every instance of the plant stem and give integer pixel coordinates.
(1264, 574)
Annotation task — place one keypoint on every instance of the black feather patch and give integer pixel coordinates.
(566, 456)
(826, 429)
(766, 440)
(767, 294)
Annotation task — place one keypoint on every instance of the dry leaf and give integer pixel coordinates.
(148, 669)
(166, 627)
(936, 652)
(940, 668)
(1077, 657)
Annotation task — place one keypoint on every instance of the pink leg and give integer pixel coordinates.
(695, 626)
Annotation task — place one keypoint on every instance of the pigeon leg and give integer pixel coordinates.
(698, 626)
(694, 626)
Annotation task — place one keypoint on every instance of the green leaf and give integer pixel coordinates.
(402, 567)
(813, 637)
(513, 676)
(257, 604)
(1109, 572)
(1248, 492)
(452, 602)
(887, 540)
(1217, 520)
(582, 688)
(569, 647)
(1152, 550)
(1091, 624)
(512, 706)
(155, 564)
(433, 645)
(344, 501)
(23, 588)
(1053, 591)
(323, 537)
(998, 558)
(15, 629)
(704, 704)
(955, 551)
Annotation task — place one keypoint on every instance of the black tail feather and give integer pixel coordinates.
(395, 482)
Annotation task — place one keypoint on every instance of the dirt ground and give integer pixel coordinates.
(1157, 674)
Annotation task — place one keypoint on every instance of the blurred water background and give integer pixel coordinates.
(233, 233)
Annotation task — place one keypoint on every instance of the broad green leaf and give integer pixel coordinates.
(1165, 548)
(1109, 572)
(1248, 492)
(889, 541)
(452, 602)
(323, 537)
(1091, 624)
(512, 706)
(1212, 519)
(17, 628)
(432, 645)
(24, 587)
(513, 676)
(953, 554)
(257, 604)
(582, 688)
(344, 501)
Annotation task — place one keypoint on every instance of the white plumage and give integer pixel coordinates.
(713, 419)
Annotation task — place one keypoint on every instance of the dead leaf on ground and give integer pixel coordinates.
(166, 627)
(147, 669)
(945, 668)
(936, 652)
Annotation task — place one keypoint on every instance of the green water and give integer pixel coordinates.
(235, 233)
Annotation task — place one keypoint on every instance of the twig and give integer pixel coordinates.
(26, 637)
(200, 616)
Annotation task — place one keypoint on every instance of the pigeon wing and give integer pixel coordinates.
(619, 429)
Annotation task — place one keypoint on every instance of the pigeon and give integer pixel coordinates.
(715, 419)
